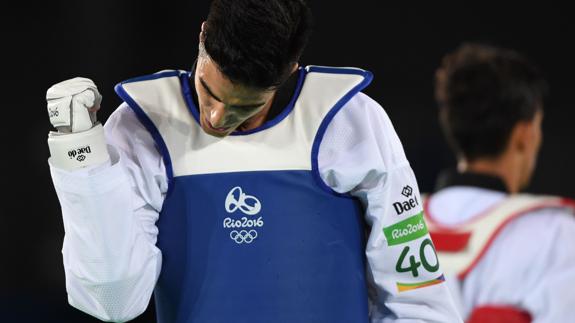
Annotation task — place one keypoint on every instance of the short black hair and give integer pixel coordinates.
(256, 42)
(483, 92)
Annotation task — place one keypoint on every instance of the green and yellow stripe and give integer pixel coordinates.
(402, 287)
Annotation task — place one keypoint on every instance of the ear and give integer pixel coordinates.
(203, 32)
(294, 67)
(522, 136)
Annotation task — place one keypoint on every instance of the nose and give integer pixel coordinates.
(217, 115)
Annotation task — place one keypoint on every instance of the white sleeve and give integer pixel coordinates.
(111, 262)
(362, 155)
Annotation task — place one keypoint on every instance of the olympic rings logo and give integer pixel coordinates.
(243, 236)
(237, 199)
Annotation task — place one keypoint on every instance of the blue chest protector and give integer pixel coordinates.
(248, 231)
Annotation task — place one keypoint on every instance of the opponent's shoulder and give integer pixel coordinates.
(544, 216)
(546, 219)
(543, 204)
(539, 239)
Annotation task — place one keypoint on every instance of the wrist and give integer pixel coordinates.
(77, 150)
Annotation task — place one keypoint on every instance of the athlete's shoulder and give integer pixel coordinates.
(163, 90)
(124, 123)
(366, 110)
(338, 70)
(153, 76)
(366, 103)
(121, 116)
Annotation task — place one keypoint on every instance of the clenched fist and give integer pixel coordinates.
(79, 141)
(72, 104)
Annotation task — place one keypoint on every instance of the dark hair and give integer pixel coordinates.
(482, 93)
(256, 42)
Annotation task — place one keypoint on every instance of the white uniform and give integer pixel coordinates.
(528, 262)
(109, 211)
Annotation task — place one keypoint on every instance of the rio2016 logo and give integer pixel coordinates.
(249, 205)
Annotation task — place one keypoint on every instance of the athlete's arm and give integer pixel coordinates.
(362, 155)
(109, 211)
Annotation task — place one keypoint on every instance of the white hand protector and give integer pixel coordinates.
(72, 104)
(72, 107)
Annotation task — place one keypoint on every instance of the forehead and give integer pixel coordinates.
(208, 72)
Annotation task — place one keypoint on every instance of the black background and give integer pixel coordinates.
(109, 41)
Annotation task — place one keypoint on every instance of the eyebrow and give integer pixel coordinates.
(207, 88)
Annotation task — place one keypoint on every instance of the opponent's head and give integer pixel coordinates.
(247, 49)
(491, 105)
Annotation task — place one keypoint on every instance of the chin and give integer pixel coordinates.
(207, 129)
(215, 133)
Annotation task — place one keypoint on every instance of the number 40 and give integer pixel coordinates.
(414, 265)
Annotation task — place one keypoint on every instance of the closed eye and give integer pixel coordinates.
(242, 106)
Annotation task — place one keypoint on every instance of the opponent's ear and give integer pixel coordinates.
(203, 32)
(521, 135)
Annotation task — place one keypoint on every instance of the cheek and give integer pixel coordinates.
(236, 118)
(205, 104)
(242, 114)
(538, 138)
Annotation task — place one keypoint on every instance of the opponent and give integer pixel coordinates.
(511, 254)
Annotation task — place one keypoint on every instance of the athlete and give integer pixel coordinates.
(508, 255)
(240, 191)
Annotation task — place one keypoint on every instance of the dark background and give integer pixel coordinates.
(109, 41)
